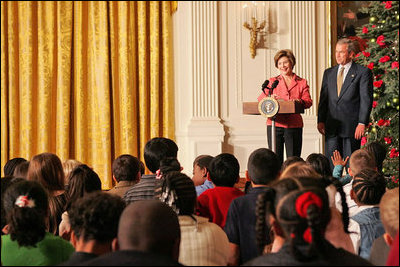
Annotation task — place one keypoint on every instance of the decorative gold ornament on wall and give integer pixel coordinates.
(254, 11)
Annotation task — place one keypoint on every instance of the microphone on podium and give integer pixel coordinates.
(264, 85)
(273, 86)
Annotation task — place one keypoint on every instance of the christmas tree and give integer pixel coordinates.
(380, 52)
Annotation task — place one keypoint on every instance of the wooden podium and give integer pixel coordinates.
(285, 107)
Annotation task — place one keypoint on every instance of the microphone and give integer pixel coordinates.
(264, 85)
(273, 86)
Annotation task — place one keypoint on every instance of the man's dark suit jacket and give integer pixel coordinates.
(341, 114)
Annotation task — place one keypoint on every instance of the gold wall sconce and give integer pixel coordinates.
(254, 11)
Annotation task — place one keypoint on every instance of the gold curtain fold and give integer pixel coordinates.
(85, 80)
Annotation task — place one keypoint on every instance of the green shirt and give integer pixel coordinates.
(52, 250)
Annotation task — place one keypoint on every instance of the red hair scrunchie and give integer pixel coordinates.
(302, 203)
(305, 200)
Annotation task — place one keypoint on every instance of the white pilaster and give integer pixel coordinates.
(199, 129)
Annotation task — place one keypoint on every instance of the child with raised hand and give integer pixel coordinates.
(27, 241)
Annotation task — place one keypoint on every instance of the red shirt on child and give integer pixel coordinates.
(214, 203)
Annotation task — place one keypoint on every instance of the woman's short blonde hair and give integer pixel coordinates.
(285, 53)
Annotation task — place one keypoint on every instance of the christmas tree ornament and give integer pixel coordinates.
(388, 104)
(372, 40)
(372, 19)
(376, 95)
(395, 100)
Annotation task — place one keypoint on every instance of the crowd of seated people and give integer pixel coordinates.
(295, 213)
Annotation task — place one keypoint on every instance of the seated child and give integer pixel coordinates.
(200, 173)
(214, 203)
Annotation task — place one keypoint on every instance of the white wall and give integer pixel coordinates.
(215, 74)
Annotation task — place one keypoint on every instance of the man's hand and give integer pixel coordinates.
(338, 160)
(360, 130)
(321, 127)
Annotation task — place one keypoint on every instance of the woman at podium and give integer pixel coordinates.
(289, 127)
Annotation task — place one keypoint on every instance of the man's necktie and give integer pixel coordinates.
(340, 80)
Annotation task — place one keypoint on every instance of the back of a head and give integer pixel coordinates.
(361, 159)
(126, 168)
(82, 180)
(224, 170)
(150, 226)
(301, 208)
(389, 211)
(68, 166)
(203, 161)
(369, 186)
(6, 182)
(290, 160)
(378, 151)
(46, 168)
(157, 149)
(320, 163)
(10, 165)
(21, 170)
(263, 166)
(26, 205)
(169, 164)
(89, 221)
(178, 192)
(299, 169)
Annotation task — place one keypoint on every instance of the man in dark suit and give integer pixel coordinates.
(345, 102)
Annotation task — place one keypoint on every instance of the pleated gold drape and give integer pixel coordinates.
(85, 80)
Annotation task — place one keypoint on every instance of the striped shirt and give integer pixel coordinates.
(142, 190)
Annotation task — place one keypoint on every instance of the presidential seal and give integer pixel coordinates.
(268, 107)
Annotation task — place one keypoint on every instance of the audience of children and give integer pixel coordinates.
(228, 224)
(214, 202)
(201, 177)
(299, 210)
(202, 243)
(126, 173)
(28, 241)
(148, 235)
(263, 167)
(92, 230)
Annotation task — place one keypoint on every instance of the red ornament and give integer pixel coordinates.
(378, 84)
(388, 4)
(374, 104)
(365, 30)
(388, 140)
(395, 65)
(366, 54)
(384, 59)
(380, 40)
(371, 65)
(394, 153)
(363, 140)
(373, 26)
(382, 122)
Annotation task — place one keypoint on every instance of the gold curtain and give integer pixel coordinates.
(85, 80)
